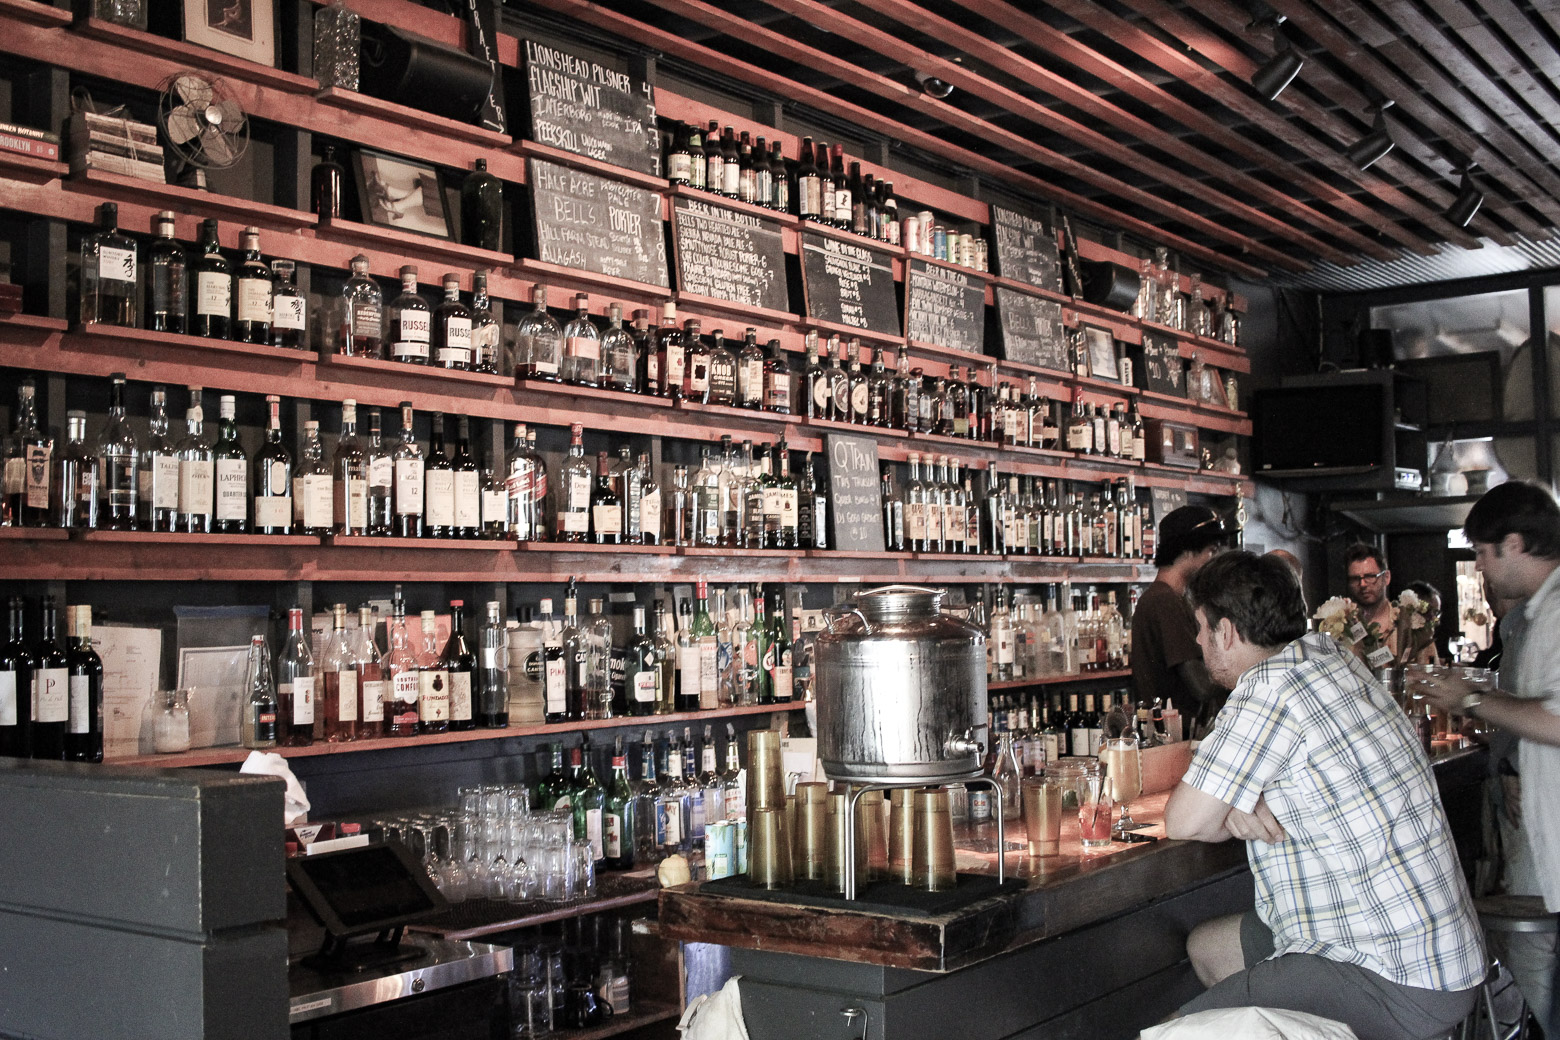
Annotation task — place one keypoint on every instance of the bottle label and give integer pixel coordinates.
(752, 380)
(254, 300)
(679, 166)
(841, 390)
(374, 691)
(404, 686)
(612, 835)
(670, 818)
(778, 392)
(915, 521)
(858, 400)
(820, 394)
(196, 484)
(593, 831)
(80, 704)
(699, 381)
(460, 696)
(608, 519)
(650, 515)
(213, 294)
(586, 348)
(709, 670)
(468, 499)
(16, 477)
(675, 365)
(457, 338)
(301, 690)
(318, 505)
(781, 682)
(365, 320)
(7, 698)
(433, 694)
(347, 696)
(163, 487)
(116, 264)
(495, 507)
(413, 326)
(439, 497)
(404, 348)
(953, 524)
(574, 521)
(578, 493)
(557, 698)
(50, 695)
(232, 489)
(408, 487)
(645, 686)
(288, 312)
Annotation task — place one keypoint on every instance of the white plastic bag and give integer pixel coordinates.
(715, 1016)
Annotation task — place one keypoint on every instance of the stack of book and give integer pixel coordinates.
(25, 140)
(115, 144)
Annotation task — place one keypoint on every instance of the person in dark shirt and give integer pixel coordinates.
(1166, 662)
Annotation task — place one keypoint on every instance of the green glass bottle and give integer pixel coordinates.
(586, 800)
(617, 820)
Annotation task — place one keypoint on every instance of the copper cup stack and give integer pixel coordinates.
(810, 837)
(769, 832)
(932, 863)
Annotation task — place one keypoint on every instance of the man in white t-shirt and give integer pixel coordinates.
(1515, 531)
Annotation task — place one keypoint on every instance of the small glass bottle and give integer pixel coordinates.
(326, 179)
(289, 309)
(362, 317)
(260, 711)
(108, 273)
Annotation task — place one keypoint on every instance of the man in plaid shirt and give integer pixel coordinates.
(1362, 914)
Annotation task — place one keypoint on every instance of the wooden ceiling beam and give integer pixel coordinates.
(1178, 63)
(603, 17)
(996, 56)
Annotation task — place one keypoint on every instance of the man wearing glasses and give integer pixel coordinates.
(1368, 581)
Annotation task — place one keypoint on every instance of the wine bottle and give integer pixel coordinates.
(16, 678)
(50, 689)
(373, 684)
(338, 688)
(433, 680)
(295, 685)
(606, 505)
(468, 484)
(460, 664)
(404, 672)
(617, 825)
(438, 486)
(407, 464)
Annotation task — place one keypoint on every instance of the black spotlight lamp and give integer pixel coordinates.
(1279, 70)
(1468, 201)
(1375, 145)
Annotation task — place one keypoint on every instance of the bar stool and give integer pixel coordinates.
(1509, 914)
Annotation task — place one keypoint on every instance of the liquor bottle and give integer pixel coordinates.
(519, 471)
(879, 393)
(646, 798)
(842, 198)
(709, 788)
(486, 332)
(617, 822)
(338, 685)
(50, 692)
(724, 692)
(407, 482)
(956, 509)
(696, 363)
(108, 273)
(381, 478)
(539, 341)
(698, 169)
(619, 354)
(467, 484)
(995, 529)
(643, 678)
(254, 291)
(460, 665)
(84, 732)
(549, 667)
(671, 357)
(404, 671)
(491, 693)
(777, 380)
(735, 778)
(860, 192)
(373, 681)
(495, 504)
(553, 790)
(731, 167)
(452, 328)
(197, 475)
(689, 669)
(1139, 437)
(581, 346)
(410, 321)
(1097, 444)
(664, 656)
(627, 477)
(576, 657)
(230, 473)
(261, 711)
(905, 398)
(676, 805)
(917, 508)
(325, 186)
(289, 308)
(650, 513)
(433, 679)
(74, 483)
(295, 686)
(597, 631)
(812, 509)
(723, 372)
(703, 629)
(714, 160)
(482, 209)
(362, 315)
(213, 315)
(752, 478)
(839, 383)
(860, 388)
(781, 502)
(815, 382)
(763, 182)
(679, 155)
(168, 285)
(893, 512)
(16, 676)
(438, 486)
(808, 184)
(750, 372)
(157, 477)
(778, 651)
(574, 483)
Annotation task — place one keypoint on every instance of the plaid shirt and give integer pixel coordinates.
(1368, 874)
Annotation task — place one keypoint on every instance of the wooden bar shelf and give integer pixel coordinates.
(547, 153)
(414, 244)
(404, 115)
(402, 368)
(31, 167)
(117, 337)
(188, 201)
(1053, 680)
(757, 316)
(37, 12)
(193, 54)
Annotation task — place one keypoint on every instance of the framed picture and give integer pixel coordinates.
(1101, 347)
(243, 28)
(403, 194)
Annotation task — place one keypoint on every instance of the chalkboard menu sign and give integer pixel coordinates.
(584, 107)
(1025, 250)
(1162, 369)
(945, 307)
(595, 224)
(1166, 500)
(1032, 330)
(857, 488)
(849, 284)
(729, 255)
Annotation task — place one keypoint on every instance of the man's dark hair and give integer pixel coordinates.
(1259, 594)
(1517, 507)
(1424, 590)
(1364, 551)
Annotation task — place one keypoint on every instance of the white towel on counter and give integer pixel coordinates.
(1250, 1023)
(269, 763)
(715, 1016)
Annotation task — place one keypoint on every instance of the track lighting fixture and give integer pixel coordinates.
(1468, 201)
(1376, 144)
(932, 86)
(1271, 79)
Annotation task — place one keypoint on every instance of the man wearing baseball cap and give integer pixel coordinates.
(1166, 662)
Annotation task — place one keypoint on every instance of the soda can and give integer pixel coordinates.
(720, 849)
(940, 242)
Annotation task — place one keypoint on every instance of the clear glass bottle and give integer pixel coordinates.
(581, 364)
(313, 490)
(407, 473)
(289, 309)
(362, 318)
(403, 671)
(452, 329)
(381, 478)
(411, 322)
(576, 649)
(295, 685)
(597, 633)
(168, 287)
(650, 510)
(619, 354)
(197, 470)
(349, 476)
(118, 464)
(492, 686)
(539, 341)
(108, 273)
(230, 473)
(158, 479)
(74, 503)
(373, 678)
(574, 483)
(260, 707)
(486, 333)
(338, 687)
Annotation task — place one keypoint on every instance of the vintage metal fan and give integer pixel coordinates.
(205, 128)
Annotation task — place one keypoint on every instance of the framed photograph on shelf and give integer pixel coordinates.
(243, 28)
(402, 194)
(1101, 348)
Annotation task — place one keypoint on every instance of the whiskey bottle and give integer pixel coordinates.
(411, 322)
(381, 478)
(259, 728)
(197, 476)
(289, 309)
(581, 346)
(313, 490)
(108, 273)
(407, 471)
(539, 341)
(815, 381)
(362, 316)
(213, 315)
(438, 486)
(118, 464)
(696, 364)
(650, 514)
(349, 476)
(255, 290)
(619, 354)
(670, 357)
(780, 504)
(158, 479)
(723, 371)
(168, 286)
(879, 393)
(231, 473)
(808, 184)
(74, 484)
(452, 328)
(519, 472)
(273, 509)
(750, 372)
(811, 510)
(860, 391)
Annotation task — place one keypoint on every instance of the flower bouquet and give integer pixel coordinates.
(1415, 627)
(1339, 618)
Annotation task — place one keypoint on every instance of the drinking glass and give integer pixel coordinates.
(1043, 814)
(1095, 811)
(582, 870)
(1122, 758)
